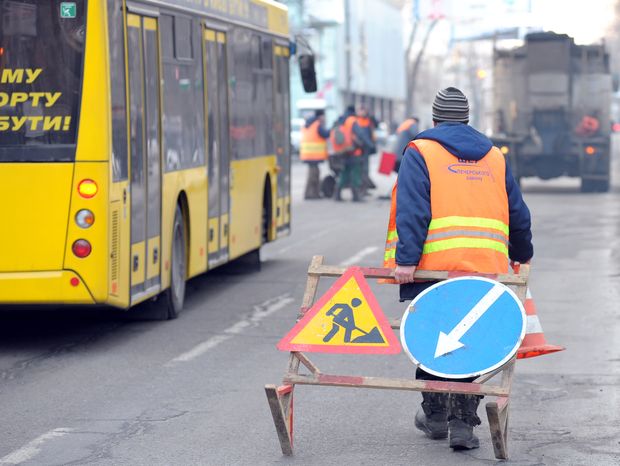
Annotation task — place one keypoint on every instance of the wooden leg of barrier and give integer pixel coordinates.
(281, 404)
(497, 412)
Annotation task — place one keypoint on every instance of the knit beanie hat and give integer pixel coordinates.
(451, 105)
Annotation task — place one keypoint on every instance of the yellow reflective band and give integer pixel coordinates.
(389, 254)
(392, 235)
(469, 243)
(313, 146)
(456, 221)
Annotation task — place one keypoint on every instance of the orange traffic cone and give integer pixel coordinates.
(534, 343)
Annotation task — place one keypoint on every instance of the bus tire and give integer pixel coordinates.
(170, 301)
(266, 213)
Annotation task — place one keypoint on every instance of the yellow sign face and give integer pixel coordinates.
(347, 319)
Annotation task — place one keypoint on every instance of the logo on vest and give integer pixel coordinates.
(469, 168)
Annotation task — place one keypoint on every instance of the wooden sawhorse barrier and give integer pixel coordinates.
(280, 398)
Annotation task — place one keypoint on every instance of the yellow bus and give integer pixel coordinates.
(141, 143)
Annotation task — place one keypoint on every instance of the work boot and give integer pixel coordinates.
(338, 194)
(462, 420)
(357, 195)
(432, 419)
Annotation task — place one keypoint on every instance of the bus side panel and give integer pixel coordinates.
(193, 183)
(92, 268)
(93, 149)
(246, 196)
(94, 130)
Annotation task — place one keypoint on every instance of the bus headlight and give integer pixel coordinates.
(81, 248)
(84, 218)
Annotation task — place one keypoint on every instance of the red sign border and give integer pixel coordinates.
(355, 272)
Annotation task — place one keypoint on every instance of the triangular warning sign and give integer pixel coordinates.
(347, 319)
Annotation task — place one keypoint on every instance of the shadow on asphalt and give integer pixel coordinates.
(46, 327)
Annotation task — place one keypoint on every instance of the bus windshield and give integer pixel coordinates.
(41, 61)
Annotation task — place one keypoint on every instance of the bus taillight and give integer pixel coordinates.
(84, 218)
(87, 188)
(81, 248)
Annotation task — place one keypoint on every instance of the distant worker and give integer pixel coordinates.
(456, 206)
(350, 139)
(366, 142)
(405, 133)
(313, 151)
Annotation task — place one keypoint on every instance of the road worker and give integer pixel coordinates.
(456, 207)
(356, 139)
(366, 125)
(405, 133)
(313, 151)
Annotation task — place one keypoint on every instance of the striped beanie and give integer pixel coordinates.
(451, 105)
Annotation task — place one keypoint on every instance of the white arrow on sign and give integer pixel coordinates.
(450, 342)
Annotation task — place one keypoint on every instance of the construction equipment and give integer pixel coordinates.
(552, 109)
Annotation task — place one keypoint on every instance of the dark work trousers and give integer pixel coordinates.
(458, 406)
(313, 181)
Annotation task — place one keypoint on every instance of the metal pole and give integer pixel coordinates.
(347, 47)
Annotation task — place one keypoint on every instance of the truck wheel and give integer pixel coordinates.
(594, 186)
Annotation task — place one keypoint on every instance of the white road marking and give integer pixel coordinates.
(307, 240)
(33, 448)
(355, 259)
(260, 312)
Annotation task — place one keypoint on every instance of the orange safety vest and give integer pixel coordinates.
(405, 125)
(469, 213)
(313, 146)
(347, 130)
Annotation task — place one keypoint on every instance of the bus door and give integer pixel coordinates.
(145, 165)
(283, 131)
(218, 160)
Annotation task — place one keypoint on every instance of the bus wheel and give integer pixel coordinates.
(170, 302)
(178, 270)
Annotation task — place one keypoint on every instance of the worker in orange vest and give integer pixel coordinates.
(457, 207)
(405, 133)
(366, 145)
(353, 141)
(313, 151)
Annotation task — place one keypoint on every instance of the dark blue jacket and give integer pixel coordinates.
(323, 132)
(414, 196)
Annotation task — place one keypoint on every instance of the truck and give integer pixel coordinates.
(551, 104)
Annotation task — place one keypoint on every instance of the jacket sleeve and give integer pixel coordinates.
(520, 246)
(413, 207)
(323, 132)
(362, 136)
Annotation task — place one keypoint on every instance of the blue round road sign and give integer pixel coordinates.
(463, 327)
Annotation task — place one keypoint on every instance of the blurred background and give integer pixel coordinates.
(392, 56)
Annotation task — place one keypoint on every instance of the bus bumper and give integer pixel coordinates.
(53, 287)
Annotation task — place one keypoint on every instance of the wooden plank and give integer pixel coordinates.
(372, 272)
(279, 420)
(508, 374)
(306, 362)
(312, 285)
(499, 428)
(395, 384)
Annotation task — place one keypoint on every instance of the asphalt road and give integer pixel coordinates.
(81, 386)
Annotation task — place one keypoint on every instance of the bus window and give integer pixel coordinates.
(117, 88)
(40, 79)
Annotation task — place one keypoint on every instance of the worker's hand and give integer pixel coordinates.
(404, 273)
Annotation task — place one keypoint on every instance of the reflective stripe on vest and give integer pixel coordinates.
(313, 147)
